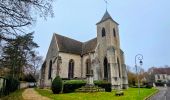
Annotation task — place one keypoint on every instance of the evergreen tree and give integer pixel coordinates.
(16, 53)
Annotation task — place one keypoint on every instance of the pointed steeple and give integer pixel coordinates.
(106, 17)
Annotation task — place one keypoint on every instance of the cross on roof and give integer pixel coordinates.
(106, 3)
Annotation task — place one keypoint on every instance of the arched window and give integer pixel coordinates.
(71, 69)
(118, 63)
(88, 65)
(105, 68)
(50, 70)
(103, 32)
(114, 32)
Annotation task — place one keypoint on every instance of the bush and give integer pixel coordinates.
(168, 83)
(159, 84)
(12, 84)
(149, 85)
(103, 84)
(72, 85)
(159, 81)
(57, 85)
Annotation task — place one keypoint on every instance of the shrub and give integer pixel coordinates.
(149, 85)
(72, 85)
(57, 85)
(168, 83)
(159, 84)
(12, 84)
(143, 86)
(159, 81)
(103, 84)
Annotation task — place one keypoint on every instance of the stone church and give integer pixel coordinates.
(72, 59)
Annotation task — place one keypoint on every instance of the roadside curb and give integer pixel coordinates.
(148, 97)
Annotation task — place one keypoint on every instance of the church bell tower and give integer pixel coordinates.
(109, 52)
(107, 31)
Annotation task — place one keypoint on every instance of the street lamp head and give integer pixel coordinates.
(141, 63)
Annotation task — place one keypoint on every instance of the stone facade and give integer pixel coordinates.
(71, 59)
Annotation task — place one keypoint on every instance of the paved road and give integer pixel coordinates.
(163, 94)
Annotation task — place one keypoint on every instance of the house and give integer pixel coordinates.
(161, 74)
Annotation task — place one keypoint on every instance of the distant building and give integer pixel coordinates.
(72, 59)
(161, 74)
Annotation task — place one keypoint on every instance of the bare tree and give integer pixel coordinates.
(15, 15)
(34, 64)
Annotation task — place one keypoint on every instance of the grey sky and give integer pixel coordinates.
(144, 26)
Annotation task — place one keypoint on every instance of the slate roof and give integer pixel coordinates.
(89, 46)
(162, 70)
(69, 45)
(105, 17)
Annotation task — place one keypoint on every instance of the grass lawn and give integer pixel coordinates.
(17, 95)
(130, 94)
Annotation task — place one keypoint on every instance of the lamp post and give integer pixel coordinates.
(138, 57)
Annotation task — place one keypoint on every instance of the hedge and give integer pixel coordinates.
(72, 85)
(159, 83)
(103, 84)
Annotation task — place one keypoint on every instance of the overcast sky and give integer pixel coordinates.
(144, 26)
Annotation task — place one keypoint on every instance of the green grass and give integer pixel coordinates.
(130, 94)
(17, 95)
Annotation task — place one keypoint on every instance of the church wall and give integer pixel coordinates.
(51, 55)
(103, 42)
(124, 72)
(47, 81)
(66, 57)
(85, 57)
(53, 49)
(107, 42)
(115, 41)
(90, 56)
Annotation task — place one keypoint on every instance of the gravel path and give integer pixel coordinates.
(31, 94)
